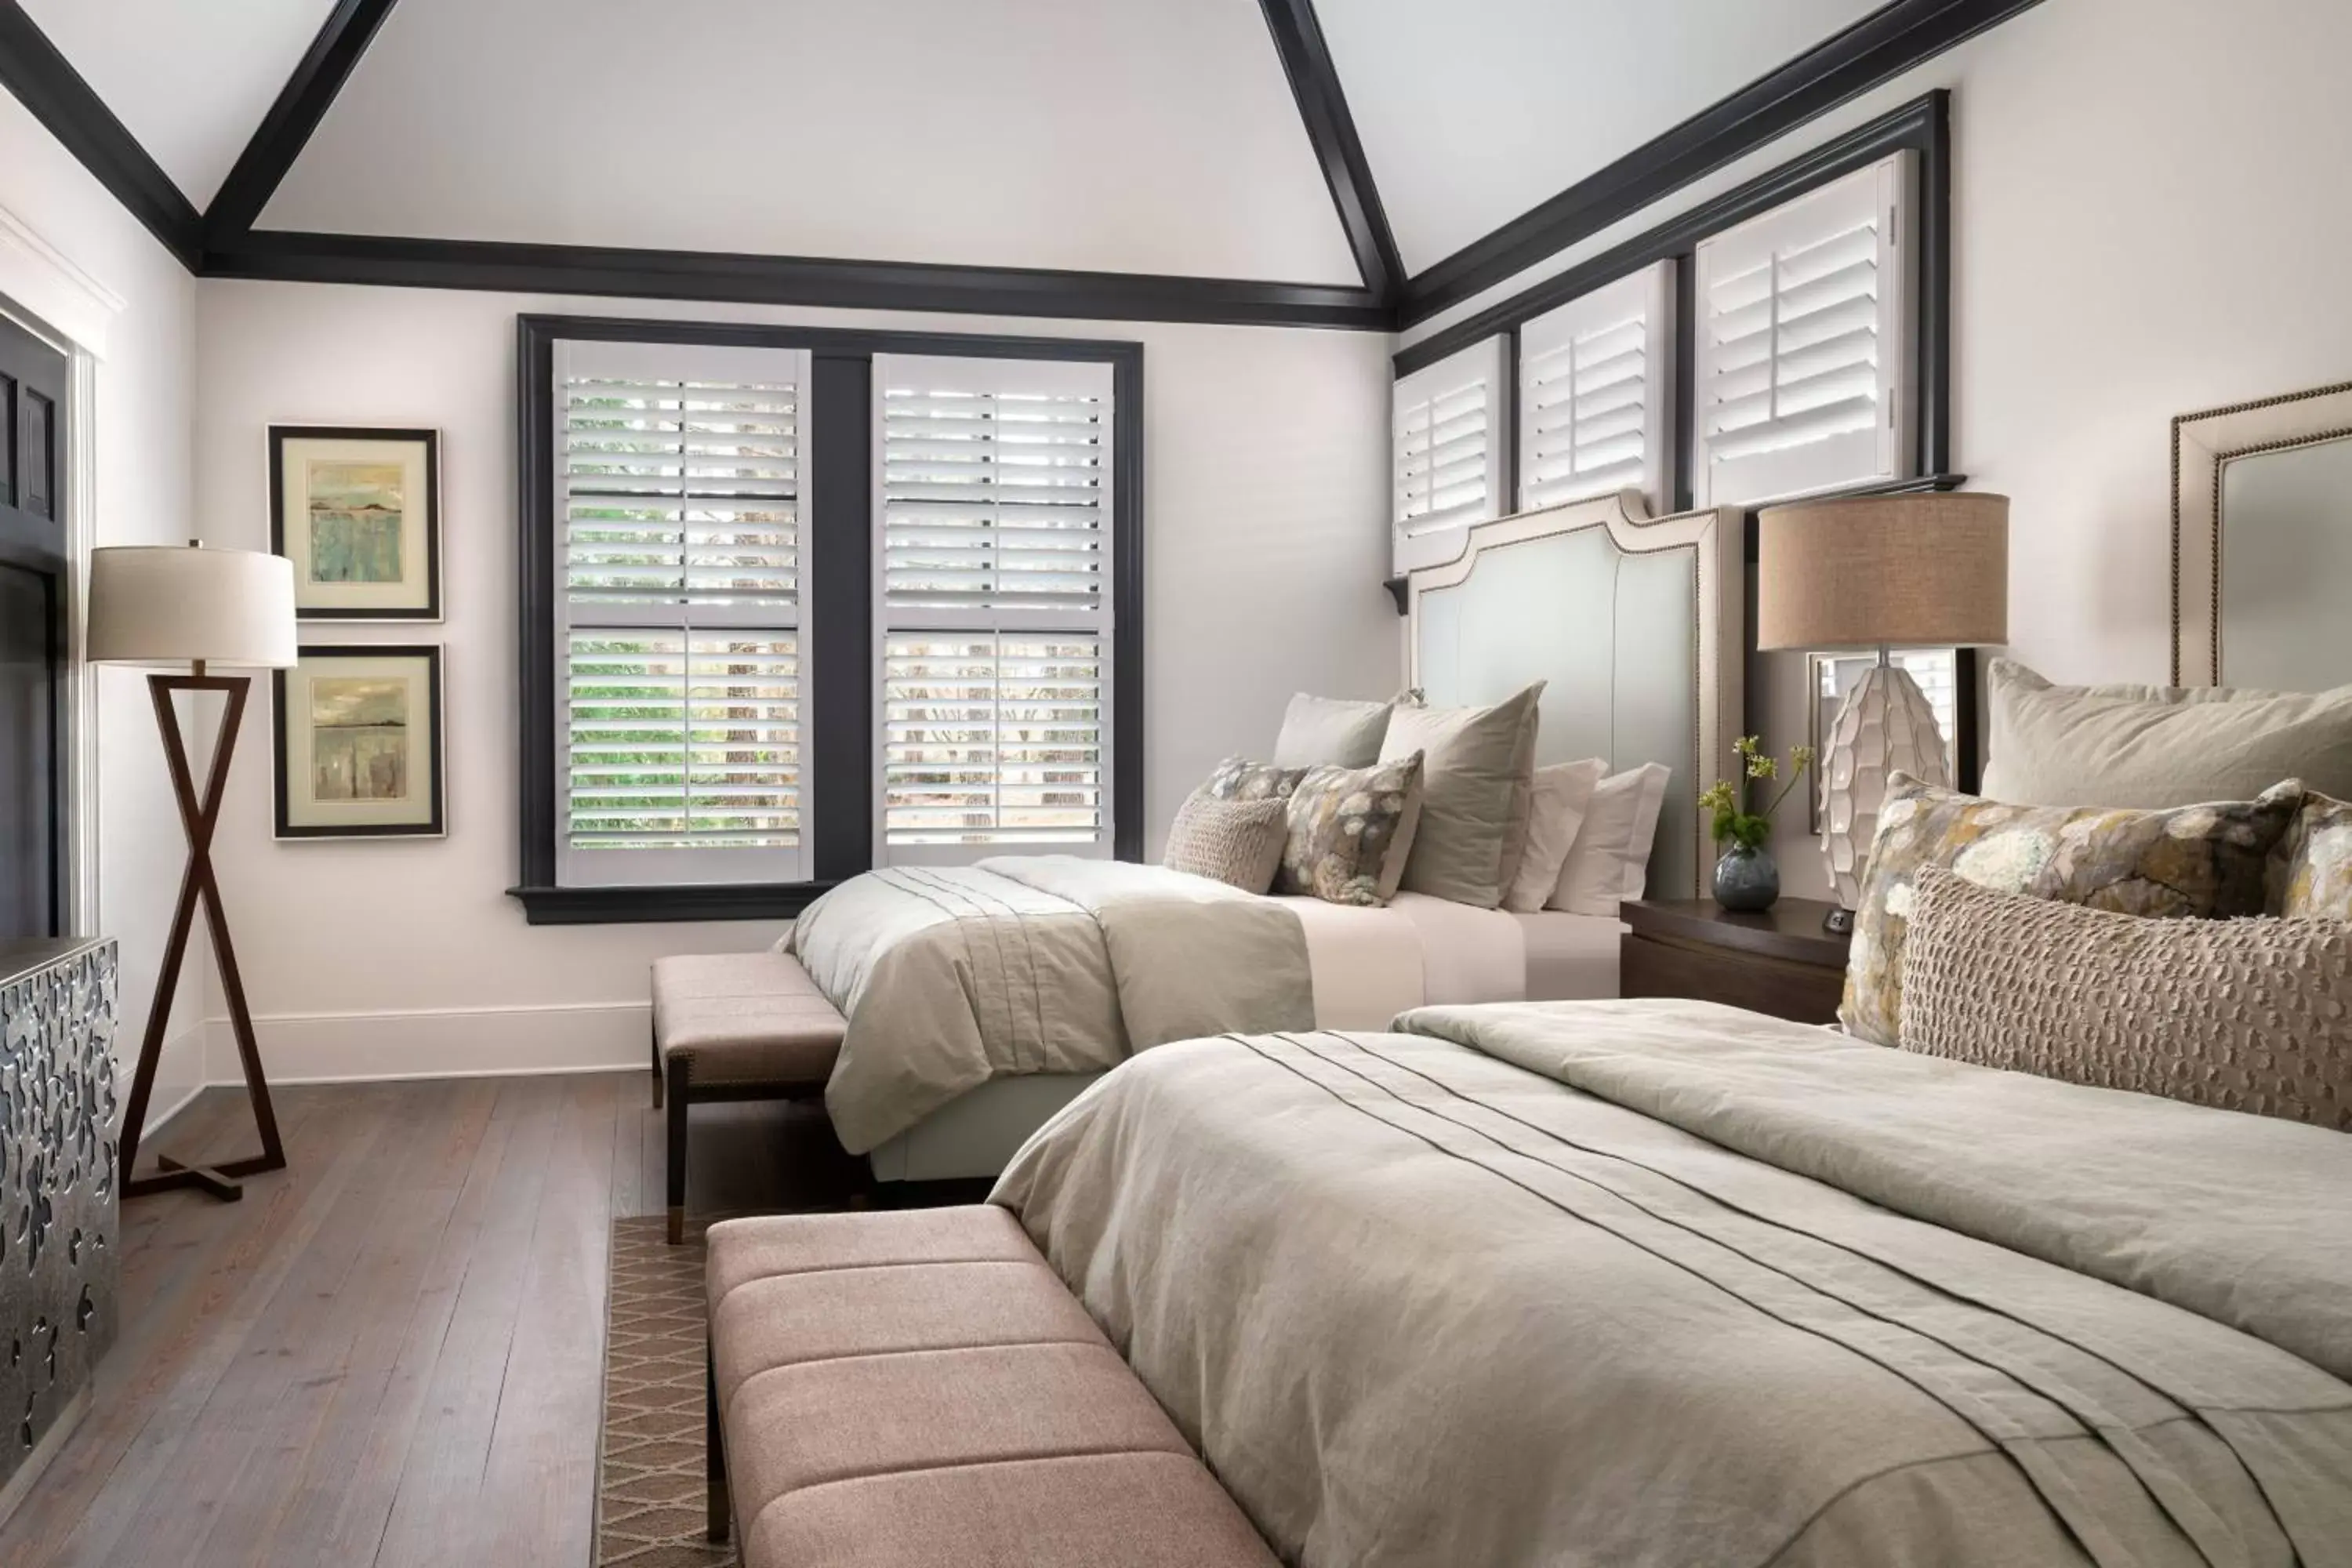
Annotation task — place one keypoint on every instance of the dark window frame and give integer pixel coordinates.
(839, 529)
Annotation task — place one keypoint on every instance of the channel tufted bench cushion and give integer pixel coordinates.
(919, 1390)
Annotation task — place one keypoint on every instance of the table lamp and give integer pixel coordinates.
(164, 604)
(1880, 572)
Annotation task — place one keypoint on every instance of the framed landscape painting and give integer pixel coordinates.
(358, 742)
(358, 513)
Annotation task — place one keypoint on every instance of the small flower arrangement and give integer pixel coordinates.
(1737, 820)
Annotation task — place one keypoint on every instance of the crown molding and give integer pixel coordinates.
(1331, 130)
(301, 104)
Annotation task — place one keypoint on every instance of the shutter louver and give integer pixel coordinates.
(993, 545)
(1594, 409)
(1448, 429)
(1804, 344)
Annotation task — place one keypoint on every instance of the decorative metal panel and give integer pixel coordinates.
(60, 1260)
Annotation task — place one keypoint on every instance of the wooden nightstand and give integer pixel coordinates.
(1780, 962)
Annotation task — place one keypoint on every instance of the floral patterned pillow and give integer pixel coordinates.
(1238, 778)
(2312, 871)
(2192, 860)
(1351, 830)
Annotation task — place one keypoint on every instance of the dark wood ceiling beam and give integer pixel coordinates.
(1323, 107)
(45, 82)
(285, 130)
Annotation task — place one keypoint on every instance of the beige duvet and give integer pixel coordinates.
(1656, 1282)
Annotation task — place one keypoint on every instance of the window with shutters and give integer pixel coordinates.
(993, 546)
(1802, 359)
(679, 656)
(1449, 427)
(1596, 395)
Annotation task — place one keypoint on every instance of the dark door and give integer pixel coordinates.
(33, 405)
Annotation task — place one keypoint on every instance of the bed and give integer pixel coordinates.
(1636, 624)
(1666, 1282)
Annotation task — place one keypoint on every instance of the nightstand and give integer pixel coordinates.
(1780, 962)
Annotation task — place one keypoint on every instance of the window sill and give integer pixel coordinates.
(701, 902)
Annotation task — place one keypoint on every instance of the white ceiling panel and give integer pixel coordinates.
(190, 81)
(1473, 111)
(1114, 135)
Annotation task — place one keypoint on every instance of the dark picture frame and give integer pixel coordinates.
(318, 601)
(434, 823)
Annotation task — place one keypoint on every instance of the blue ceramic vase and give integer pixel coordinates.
(1747, 879)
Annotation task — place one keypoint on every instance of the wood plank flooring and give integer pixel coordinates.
(391, 1353)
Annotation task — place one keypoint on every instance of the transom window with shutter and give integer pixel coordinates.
(1596, 395)
(1802, 363)
(1448, 426)
(994, 543)
(677, 646)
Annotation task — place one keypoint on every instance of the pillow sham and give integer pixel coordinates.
(2311, 873)
(1609, 861)
(2246, 1015)
(2192, 860)
(1320, 730)
(1351, 830)
(1238, 778)
(2150, 747)
(1557, 802)
(1477, 772)
(1238, 842)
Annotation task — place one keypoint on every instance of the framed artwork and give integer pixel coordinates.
(358, 742)
(1830, 676)
(358, 513)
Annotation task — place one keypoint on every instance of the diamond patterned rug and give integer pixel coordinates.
(649, 1493)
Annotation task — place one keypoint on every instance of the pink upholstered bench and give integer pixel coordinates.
(919, 1390)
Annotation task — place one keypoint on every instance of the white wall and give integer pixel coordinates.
(2147, 219)
(144, 385)
(1266, 508)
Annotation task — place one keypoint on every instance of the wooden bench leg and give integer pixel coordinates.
(721, 1522)
(679, 1065)
(656, 1040)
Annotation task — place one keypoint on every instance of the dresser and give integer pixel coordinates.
(60, 1254)
(1779, 962)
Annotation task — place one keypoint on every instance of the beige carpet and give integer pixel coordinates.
(649, 1490)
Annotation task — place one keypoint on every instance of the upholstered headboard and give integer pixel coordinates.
(1637, 623)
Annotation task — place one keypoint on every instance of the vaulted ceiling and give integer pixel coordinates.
(1268, 143)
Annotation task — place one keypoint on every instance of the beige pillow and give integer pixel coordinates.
(1351, 830)
(1320, 730)
(1477, 776)
(2311, 871)
(2151, 747)
(1609, 861)
(2194, 860)
(2247, 1014)
(1557, 804)
(1235, 841)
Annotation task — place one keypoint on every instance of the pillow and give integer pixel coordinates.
(1557, 803)
(2252, 1014)
(1478, 772)
(1351, 830)
(1235, 841)
(2200, 860)
(2153, 746)
(1609, 861)
(1318, 730)
(2311, 871)
(1238, 778)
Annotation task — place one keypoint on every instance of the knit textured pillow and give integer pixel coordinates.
(2241, 1015)
(1235, 841)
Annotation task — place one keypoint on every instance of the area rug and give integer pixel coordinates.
(649, 1487)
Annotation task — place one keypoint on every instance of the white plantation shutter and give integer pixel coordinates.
(677, 626)
(1595, 394)
(1803, 354)
(993, 551)
(1448, 425)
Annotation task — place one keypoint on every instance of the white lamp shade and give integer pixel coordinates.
(176, 605)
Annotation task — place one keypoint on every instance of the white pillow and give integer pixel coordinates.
(1609, 861)
(1562, 794)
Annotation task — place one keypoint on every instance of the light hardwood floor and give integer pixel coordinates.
(391, 1353)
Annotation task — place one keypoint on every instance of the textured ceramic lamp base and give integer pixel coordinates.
(1884, 727)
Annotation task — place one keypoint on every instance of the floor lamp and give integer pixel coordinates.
(167, 605)
(1924, 570)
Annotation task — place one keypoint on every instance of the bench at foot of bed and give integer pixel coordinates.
(919, 1390)
(735, 1025)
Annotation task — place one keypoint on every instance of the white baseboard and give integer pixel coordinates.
(436, 1042)
(179, 1076)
